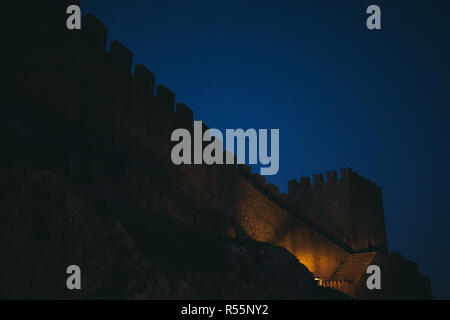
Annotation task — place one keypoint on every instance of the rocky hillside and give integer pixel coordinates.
(124, 252)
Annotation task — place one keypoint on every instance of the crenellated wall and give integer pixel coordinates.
(95, 94)
(350, 207)
(265, 216)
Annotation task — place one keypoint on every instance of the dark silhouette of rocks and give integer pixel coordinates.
(45, 226)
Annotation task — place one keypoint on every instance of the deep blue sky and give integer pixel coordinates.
(341, 95)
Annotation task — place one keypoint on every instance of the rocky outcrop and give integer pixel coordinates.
(46, 226)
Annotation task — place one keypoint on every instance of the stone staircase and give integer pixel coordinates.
(350, 272)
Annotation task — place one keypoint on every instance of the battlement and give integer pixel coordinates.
(184, 115)
(95, 33)
(165, 98)
(121, 57)
(120, 61)
(346, 176)
(351, 203)
(267, 188)
(144, 81)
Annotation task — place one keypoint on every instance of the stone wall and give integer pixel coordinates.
(351, 208)
(92, 119)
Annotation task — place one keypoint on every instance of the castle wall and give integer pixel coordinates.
(367, 212)
(113, 105)
(325, 202)
(246, 206)
(351, 208)
(265, 221)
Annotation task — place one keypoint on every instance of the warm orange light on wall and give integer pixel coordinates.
(308, 261)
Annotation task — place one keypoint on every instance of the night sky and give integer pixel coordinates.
(341, 95)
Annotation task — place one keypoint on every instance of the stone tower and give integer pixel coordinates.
(350, 208)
